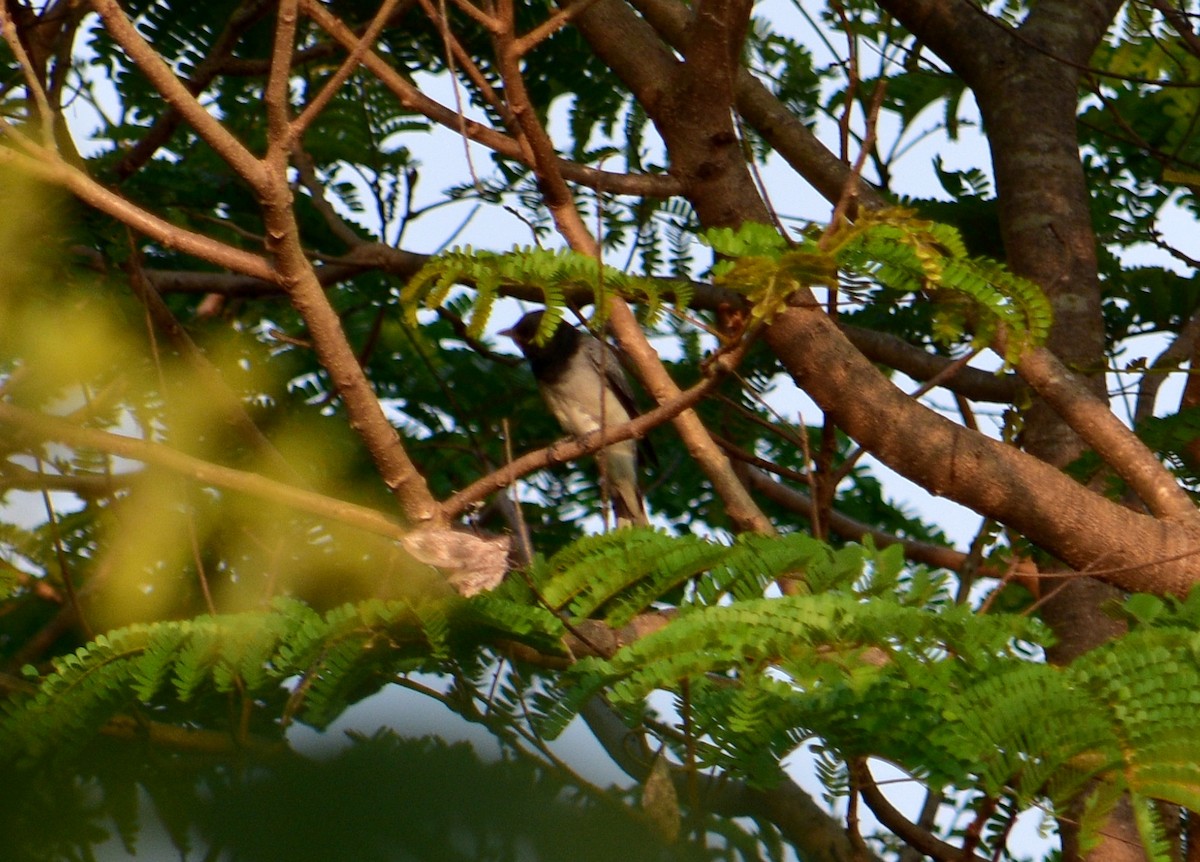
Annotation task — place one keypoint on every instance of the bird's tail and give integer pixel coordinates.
(620, 467)
(629, 507)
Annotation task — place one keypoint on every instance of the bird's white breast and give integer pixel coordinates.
(580, 400)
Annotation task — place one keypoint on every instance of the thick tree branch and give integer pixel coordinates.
(697, 127)
(714, 47)
(1046, 220)
(1026, 85)
(307, 295)
(968, 41)
(1079, 527)
(778, 126)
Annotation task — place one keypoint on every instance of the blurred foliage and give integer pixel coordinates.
(429, 800)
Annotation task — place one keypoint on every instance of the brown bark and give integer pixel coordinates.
(1134, 551)
(1026, 84)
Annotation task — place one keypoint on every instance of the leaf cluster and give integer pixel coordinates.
(556, 275)
(897, 254)
(285, 663)
(866, 655)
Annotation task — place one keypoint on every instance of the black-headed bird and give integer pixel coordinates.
(583, 384)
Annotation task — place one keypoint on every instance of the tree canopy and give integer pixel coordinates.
(265, 454)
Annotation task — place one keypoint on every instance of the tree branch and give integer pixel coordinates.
(852, 529)
(45, 427)
(922, 366)
(815, 835)
(307, 295)
(52, 169)
(344, 71)
(759, 107)
(1078, 526)
(87, 486)
(177, 95)
(962, 36)
(648, 185)
(1093, 420)
(909, 832)
(206, 71)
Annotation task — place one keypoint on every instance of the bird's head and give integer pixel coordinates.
(524, 334)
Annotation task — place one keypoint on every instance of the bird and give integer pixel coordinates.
(582, 382)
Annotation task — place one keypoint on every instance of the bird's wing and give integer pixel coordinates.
(606, 359)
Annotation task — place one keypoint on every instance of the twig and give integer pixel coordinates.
(198, 562)
(32, 85)
(524, 543)
(64, 568)
(192, 740)
(924, 841)
(307, 172)
(648, 185)
(854, 530)
(86, 486)
(550, 26)
(329, 90)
